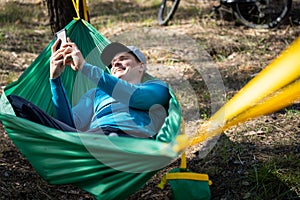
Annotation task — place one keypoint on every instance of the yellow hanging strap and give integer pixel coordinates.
(85, 11)
(182, 140)
(183, 161)
(183, 175)
(275, 87)
(188, 176)
(183, 156)
(76, 7)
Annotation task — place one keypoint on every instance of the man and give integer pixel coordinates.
(120, 104)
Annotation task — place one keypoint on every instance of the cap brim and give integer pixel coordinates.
(111, 50)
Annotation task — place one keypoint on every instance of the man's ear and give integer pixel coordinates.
(142, 67)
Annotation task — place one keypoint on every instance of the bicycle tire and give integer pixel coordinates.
(167, 10)
(262, 14)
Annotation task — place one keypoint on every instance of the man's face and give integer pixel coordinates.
(125, 66)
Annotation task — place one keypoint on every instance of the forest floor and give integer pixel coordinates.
(257, 159)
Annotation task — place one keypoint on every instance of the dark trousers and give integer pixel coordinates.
(25, 109)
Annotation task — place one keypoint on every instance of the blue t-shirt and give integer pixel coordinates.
(137, 109)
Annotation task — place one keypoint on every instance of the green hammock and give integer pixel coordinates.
(107, 167)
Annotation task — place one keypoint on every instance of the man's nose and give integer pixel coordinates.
(117, 64)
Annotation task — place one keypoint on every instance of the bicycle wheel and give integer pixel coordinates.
(167, 11)
(262, 13)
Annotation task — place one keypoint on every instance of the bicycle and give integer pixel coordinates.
(167, 10)
(252, 13)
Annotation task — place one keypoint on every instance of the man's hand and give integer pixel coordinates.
(72, 56)
(56, 61)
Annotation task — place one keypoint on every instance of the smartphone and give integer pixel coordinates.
(62, 35)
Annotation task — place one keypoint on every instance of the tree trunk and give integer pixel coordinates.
(61, 12)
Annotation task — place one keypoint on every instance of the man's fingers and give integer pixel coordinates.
(68, 59)
(67, 50)
(55, 45)
(69, 44)
(58, 62)
(57, 55)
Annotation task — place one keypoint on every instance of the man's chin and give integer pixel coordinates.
(120, 76)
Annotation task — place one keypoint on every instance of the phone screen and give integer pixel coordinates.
(62, 35)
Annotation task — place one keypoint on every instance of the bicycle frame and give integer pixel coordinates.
(252, 13)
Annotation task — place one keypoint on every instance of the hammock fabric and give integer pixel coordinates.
(107, 167)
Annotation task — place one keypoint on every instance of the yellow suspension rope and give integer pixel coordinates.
(274, 88)
(85, 11)
(77, 9)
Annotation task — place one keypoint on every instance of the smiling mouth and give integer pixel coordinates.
(119, 70)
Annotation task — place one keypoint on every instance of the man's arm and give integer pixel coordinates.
(67, 54)
(140, 96)
(62, 107)
(79, 117)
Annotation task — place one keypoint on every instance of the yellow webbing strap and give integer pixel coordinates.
(183, 156)
(76, 6)
(183, 161)
(274, 88)
(182, 140)
(188, 176)
(183, 175)
(85, 11)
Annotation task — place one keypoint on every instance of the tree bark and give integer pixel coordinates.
(61, 12)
